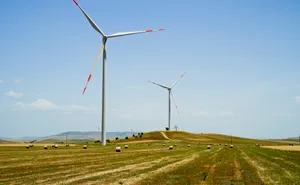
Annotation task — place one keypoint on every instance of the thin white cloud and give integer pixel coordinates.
(204, 114)
(18, 81)
(297, 99)
(226, 113)
(46, 105)
(14, 94)
(1, 81)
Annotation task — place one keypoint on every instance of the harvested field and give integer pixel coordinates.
(288, 148)
(143, 164)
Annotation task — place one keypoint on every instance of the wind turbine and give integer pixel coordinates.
(170, 94)
(176, 127)
(103, 50)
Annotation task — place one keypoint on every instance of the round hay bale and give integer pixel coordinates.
(67, 145)
(208, 146)
(118, 149)
(45, 147)
(175, 144)
(225, 144)
(170, 147)
(189, 145)
(126, 146)
(164, 144)
(27, 146)
(231, 146)
(55, 146)
(84, 147)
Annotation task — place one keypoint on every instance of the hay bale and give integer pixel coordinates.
(175, 144)
(208, 146)
(118, 149)
(84, 147)
(225, 144)
(189, 145)
(67, 145)
(55, 146)
(164, 144)
(45, 147)
(126, 146)
(27, 146)
(170, 147)
(156, 144)
(231, 146)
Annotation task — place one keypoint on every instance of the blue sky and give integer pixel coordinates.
(241, 59)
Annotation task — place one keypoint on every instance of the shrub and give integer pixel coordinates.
(133, 135)
(167, 128)
(126, 137)
(141, 135)
(117, 138)
(108, 141)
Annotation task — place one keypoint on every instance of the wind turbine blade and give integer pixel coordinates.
(158, 85)
(119, 34)
(177, 80)
(174, 102)
(94, 67)
(93, 24)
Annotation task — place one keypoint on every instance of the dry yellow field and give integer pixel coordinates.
(35, 144)
(289, 148)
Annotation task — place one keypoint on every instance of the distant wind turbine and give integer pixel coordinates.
(170, 94)
(176, 127)
(103, 50)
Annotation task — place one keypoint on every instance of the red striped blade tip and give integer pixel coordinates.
(149, 30)
(90, 76)
(75, 2)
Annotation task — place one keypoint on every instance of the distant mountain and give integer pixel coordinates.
(295, 139)
(92, 135)
(4, 141)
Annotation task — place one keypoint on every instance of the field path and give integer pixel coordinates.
(140, 166)
(260, 169)
(165, 136)
(133, 180)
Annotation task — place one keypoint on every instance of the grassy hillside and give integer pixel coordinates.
(197, 138)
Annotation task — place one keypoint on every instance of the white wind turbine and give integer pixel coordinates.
(170, 94)
(103, 50)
